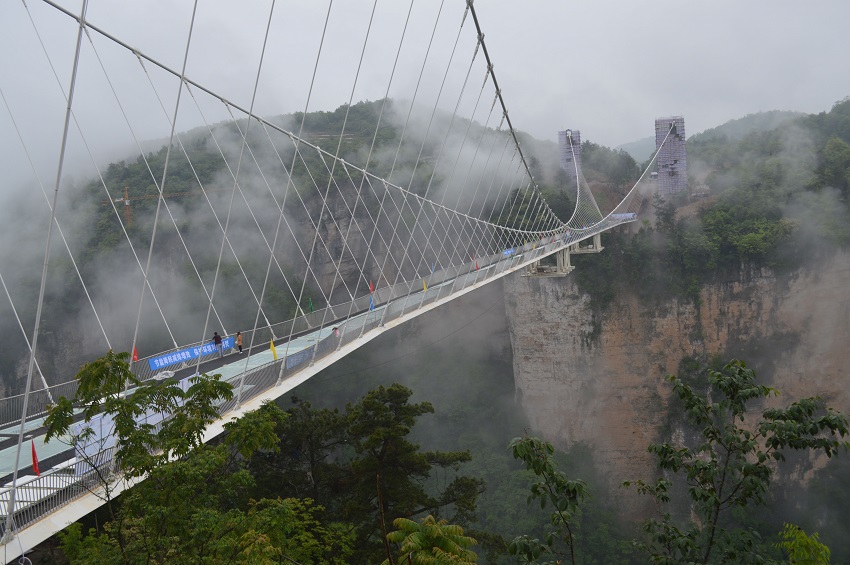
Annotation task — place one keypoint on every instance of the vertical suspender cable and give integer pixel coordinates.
(10, 514)
(291, 171)
(233, 195)
(164, 177)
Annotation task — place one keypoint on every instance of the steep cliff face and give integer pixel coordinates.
(598, 379)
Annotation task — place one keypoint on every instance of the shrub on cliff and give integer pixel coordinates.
(731, 467)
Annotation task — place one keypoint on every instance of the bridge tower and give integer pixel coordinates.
(672, 162)
(569, 142)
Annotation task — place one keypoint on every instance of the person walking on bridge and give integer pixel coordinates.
(239, 341)
(217, 342)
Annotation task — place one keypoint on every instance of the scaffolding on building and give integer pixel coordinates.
(569, 142)
(672, 162)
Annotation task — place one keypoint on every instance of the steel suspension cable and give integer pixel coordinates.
(10, 514)
(463, 221)
(82, 22)
(417, 221)
(164, 177)
(394, 230)
(147, 163)
(333, 170)
(471, 6)
(419, 157)
(369, 160)
(232, 197)
(58, 226)
(24, 333)
(289, 182)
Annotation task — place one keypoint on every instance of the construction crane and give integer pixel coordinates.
(128, 210)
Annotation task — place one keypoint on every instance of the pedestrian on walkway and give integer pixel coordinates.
(217, 342)
(239, 341)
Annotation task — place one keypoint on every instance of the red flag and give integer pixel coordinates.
(371, 286)
(35, 460)
(135, 354)
(476, 265)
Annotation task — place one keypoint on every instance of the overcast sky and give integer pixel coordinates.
(608, 68)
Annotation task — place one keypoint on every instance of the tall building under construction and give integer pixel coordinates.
(672, 162)
(570, 143)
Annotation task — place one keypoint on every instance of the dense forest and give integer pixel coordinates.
(376, 452)
(777, 198)
(353, 457)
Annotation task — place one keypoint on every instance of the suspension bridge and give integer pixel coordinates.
(324, 236)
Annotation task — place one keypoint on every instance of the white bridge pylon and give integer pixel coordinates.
(447, 205)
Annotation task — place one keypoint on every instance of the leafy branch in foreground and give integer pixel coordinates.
(431, 543)
(803, 549)
(554, 488)
(732, 466)
(110, 396)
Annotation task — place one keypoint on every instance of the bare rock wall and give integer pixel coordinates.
(598, 378)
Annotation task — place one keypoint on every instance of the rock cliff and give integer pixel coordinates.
(597, 378)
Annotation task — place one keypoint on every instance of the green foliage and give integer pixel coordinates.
(141, 447)
(197, 509)
(553, 488)
(362, 466)
(560, 202)
(834, 169)
(736, 130)
(387, 470)
(732, 465)
(803, 549)
(310, 541)
(617, 165)
(780, 187)
(522, 210)
(431, 543)
(193, 504)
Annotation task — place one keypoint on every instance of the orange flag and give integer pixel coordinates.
(135, 354)
(371, 286)
(35, 460)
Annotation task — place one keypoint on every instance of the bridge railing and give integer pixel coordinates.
(462, 276)
(11, 408)
(36, 496)
(56, 487)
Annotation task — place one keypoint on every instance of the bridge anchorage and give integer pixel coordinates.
(411, 202)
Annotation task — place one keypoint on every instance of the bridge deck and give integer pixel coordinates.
(43, 504)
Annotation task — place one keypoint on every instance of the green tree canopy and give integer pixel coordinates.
(731, 466)
(553, 488)
(430, 543)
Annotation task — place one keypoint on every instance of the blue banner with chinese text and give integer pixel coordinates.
(182, 355)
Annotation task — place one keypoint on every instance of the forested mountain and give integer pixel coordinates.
(640, 150)
(778, 198)
(735, 130)
(743, 269)
(110, 237)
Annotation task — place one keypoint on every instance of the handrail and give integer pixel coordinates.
(37, 497)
